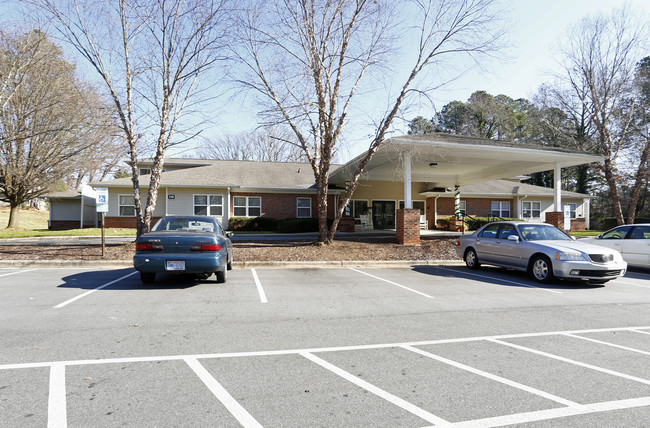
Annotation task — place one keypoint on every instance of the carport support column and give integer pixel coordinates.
(556, 218)
(407, 223)
(408, 202)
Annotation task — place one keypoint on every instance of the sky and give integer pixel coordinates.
(535, 29)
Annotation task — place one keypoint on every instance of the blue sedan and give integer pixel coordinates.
(194, 245)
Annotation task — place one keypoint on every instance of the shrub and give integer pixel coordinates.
(606, 223)
(252, 223)
(297, 225)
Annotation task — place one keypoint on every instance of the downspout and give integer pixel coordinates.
(166, 201)
(81, 221)
(435, 211)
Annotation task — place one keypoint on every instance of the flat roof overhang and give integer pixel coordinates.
(446, 160)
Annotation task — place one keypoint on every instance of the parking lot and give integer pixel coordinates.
(356, 347)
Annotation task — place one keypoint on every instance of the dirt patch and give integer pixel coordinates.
(360, 249)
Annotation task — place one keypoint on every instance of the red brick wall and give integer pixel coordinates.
(408, 226)
(281, 206)
(556, 218)
(124, 222)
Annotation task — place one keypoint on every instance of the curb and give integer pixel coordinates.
(86, 264)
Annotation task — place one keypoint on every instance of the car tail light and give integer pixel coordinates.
(205, 247)
(458, 243)
(148, 246)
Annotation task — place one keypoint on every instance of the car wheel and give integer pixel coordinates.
(221, 276)
(471, 259)
(229, 264)
(147, 277)
(541, 269)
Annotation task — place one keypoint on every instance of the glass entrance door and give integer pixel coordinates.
(383, 214)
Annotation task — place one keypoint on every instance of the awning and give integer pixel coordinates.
(445, 160)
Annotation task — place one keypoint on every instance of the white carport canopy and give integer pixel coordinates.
(445, 160)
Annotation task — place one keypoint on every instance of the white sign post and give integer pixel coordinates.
(567, 217)
(102, 207)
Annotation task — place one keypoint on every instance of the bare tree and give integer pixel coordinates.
(47, 120)
(599, 63)
(269, 144)
(308, 58)
(150, 55)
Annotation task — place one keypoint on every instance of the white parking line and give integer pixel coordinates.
(601, 342)
(20, 271)
(419, 412)
(56, 405)
(568, 360)
(492, 377)
(639, 331)
(310, 350)
(60, 305)
(233, 406)
(498, 279)
(543, 415)
(631, 283)
(258, 284)
(393, 283)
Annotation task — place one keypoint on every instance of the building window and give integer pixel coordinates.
(463, 208)
(501, 209)
(145, 171)
(572, 207)
(303, 207)
(247, 206)
(208, 205)
(417, 205)
(356, 207)
(531, 209)
(126, 204)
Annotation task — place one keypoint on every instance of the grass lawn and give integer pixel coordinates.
(33, 223)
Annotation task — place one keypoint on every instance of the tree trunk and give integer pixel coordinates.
(638, 183)
(321, 201)
(13, 216)
(613, 190)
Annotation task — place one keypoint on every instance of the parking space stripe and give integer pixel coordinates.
(20, 271)
(542, 415)
(419, 412)
(631, 283)
(568, 360)
(312, 350)
(492, 377)
(498, 279)
(393, 283)
(56, 405)
(258, 284)
(233, 406)
(60, 305)
(639, 331)
(602, 342)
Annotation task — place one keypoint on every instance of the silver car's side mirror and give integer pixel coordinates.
(513, 238)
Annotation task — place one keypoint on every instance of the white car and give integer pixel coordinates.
(632, 241)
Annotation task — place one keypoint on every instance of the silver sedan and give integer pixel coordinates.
(542, 250)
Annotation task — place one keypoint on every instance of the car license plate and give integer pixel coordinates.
(175, 265)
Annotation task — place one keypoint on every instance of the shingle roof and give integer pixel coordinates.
(508, 187)
(237, 174)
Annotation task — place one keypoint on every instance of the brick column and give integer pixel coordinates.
(556, 218)
(408, 226)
